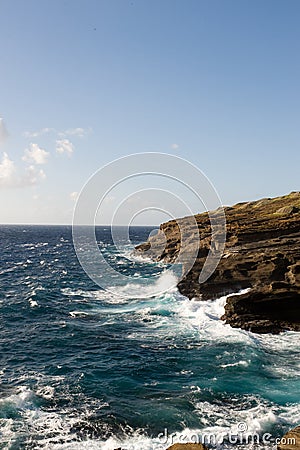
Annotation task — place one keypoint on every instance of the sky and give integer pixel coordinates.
(84, 82)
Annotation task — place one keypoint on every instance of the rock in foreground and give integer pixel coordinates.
(291, 440)
(262, 253)
(187, 447)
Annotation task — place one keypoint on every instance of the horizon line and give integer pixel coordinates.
(71, 225)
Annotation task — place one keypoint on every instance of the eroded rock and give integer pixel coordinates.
(291, 440)
(187, 447)
(262, 253)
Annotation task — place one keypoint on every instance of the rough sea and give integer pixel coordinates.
(82, 368)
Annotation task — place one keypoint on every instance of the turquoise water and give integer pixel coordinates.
(84, 368)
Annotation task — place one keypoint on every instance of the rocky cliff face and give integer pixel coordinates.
(187, 447)
(262, 253)
(291, 440)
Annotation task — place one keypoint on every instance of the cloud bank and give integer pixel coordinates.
(38, 133)
(7, 171)
(77, 132)
(11, 178)
(35, 155)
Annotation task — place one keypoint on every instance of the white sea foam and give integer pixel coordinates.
(78, 313)
(46, 392)
(49, 429)
(53, 431)
(19, 399)
(32, 246)
(286, 347)
(171, 314)
(33, 303)
(166, 282)
(87, 295)
(130, 292)
(226, 421)
(238, 363)
(203, 318)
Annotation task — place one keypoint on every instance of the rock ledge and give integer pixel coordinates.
(262, 253)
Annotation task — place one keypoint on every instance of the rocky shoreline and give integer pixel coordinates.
(290, 441)
(262, 254)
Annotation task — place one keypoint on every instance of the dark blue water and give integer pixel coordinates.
(82, 367)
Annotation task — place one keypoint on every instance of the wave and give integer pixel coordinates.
(171, 320)
(171, 314)
(166, 282)
(50, 430)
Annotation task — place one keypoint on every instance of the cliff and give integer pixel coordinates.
(291, 440)
(262, 253)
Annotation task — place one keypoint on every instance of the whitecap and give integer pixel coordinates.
(33, 303)
(238, 363)
(78, 313)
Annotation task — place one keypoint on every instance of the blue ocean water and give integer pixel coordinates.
(85, 368)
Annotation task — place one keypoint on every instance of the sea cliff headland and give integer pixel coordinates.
(262, 254)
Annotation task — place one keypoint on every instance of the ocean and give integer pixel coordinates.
(82, 367)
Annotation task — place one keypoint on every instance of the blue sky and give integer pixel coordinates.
(85, 82)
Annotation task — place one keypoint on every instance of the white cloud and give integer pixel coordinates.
(35, 155)
(9, 176)
(32, 176)
(174, 146)
(74, 196)
(79, 132)
(7, 171)
(3, 131)
(34, 134)
(64, 146)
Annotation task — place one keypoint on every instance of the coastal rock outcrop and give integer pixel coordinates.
(187, 447)
(291, 440)
(262, 254)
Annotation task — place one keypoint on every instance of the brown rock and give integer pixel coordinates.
(265, 310)
(288, 210)
(262, 253)
(291, 440)
(187, 447)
